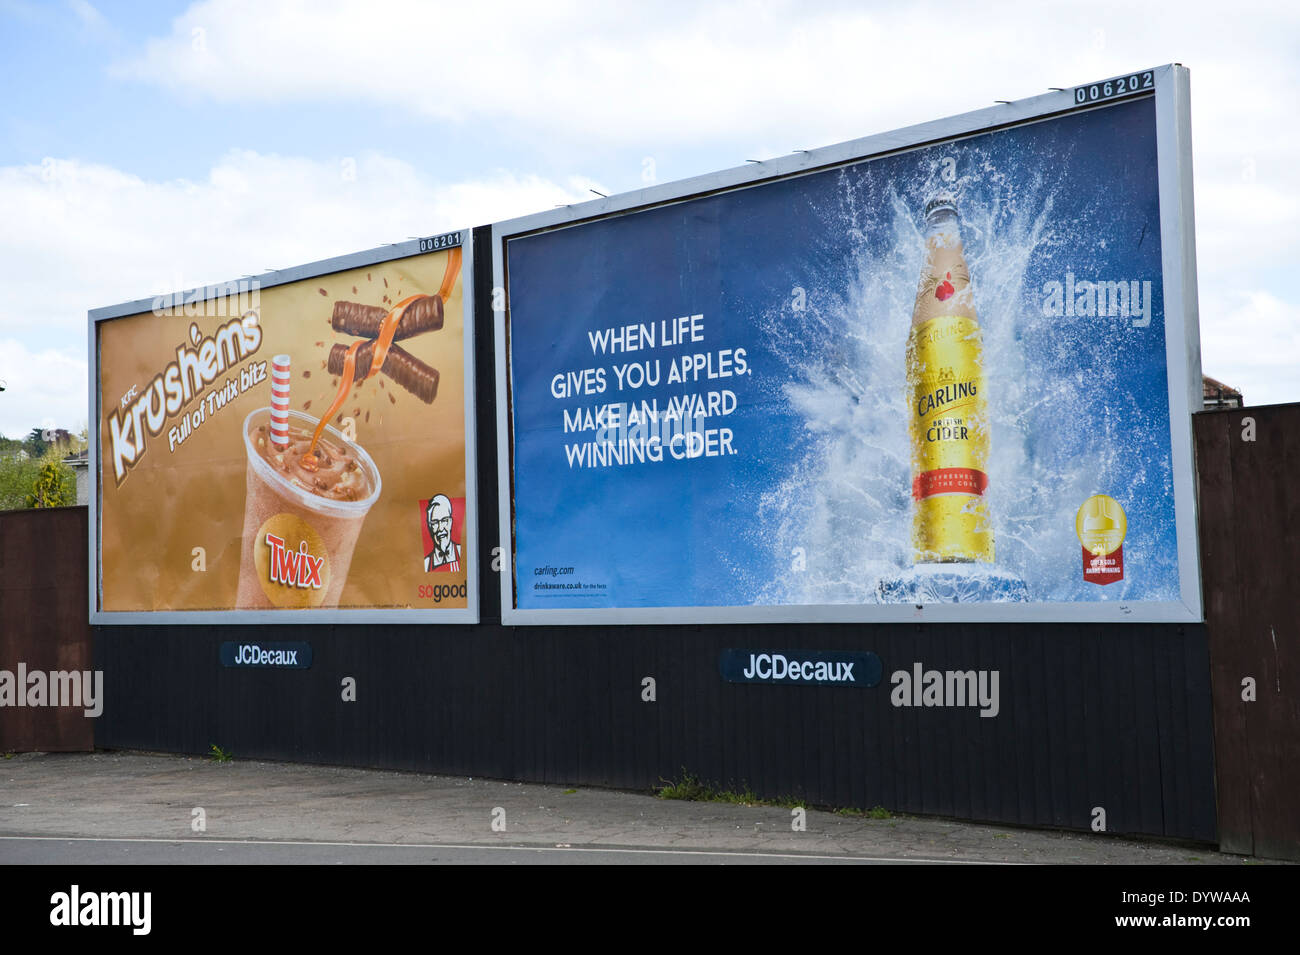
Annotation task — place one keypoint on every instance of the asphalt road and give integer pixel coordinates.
(26, 850)
(122, 807)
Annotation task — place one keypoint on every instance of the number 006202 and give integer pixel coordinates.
(1120, 86)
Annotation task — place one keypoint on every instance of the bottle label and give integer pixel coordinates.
(949, 423)
(949, 481)
(949, 428)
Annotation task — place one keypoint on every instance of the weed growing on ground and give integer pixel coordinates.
(692, 789)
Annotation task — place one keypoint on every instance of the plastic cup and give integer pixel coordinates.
(317, 535)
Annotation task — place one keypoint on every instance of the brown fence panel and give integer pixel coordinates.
(1248, 463)
(44, 624)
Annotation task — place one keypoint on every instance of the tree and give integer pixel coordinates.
(20, 477)
(35, 443)
(17, 474)
(51, 487)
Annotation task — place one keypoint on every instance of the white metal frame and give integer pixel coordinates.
(388, 253)
(1182, 343)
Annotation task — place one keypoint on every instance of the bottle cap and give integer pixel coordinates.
(938, 203)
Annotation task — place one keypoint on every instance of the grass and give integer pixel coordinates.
(692, 789)
(876, 812)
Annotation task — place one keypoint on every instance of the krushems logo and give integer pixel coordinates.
(75, 907)
(198, 364)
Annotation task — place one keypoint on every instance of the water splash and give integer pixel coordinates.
(847, 501)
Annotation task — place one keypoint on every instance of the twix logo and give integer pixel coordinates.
(294, 568)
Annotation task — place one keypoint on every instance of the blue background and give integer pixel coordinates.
(815, 278)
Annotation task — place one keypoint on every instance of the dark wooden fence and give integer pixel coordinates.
(43, 621)
(1248, 466)
(1113, 717)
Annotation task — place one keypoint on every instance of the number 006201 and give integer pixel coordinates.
(445, 241)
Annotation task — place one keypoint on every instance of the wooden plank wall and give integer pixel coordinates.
(43, 622)
(1115, 716)
(1248, 464)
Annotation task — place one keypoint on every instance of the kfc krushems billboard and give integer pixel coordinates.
(942, 373)
(291, 447)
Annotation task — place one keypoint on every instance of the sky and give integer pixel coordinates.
(150, 148)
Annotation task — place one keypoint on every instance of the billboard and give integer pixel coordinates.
(292, 447)
(944, 373)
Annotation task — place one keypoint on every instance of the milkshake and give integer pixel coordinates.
(301, 517)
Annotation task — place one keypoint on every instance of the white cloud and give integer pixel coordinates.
(758, 79)
(753, 79)
(79, 236)
(1243, 212)
(89, 17)
(1252, 342)
(42, 389)
(798, 73)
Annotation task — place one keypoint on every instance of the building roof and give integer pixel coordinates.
(1213, 388)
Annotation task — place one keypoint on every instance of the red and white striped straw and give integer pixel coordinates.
(280, 400)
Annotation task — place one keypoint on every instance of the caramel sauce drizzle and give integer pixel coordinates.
(383, 342)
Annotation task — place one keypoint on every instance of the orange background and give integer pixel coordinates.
(173, 502)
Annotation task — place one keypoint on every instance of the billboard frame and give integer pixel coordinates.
(391, 615)
(1170, 88)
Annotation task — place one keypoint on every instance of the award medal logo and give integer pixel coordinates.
(1101, 526)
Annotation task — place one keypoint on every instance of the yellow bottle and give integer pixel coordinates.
(948, 407)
